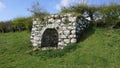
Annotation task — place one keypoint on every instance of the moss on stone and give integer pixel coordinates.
(66, 21)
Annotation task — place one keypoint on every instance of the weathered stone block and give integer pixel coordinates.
(63, 19)
(34, 22)
(73, 40)
(67, 41)
(69, 27)
(72, 36)
(62, 36)
(35, 44)
(61, 43)
(36, 38)
(67, 32)
(72, 19)
(64, 28)
(58, 21)
(73, 31)
(60, 32)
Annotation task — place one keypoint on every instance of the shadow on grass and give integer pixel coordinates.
(47, 54)
(87, 33)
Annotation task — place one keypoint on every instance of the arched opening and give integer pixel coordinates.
(49, 38)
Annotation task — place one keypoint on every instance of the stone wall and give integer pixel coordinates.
(68, 27)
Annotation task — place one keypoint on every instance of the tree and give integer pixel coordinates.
(37, 11)
(66, 10)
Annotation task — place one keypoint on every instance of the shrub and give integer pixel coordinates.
(19, 24)
(110, 14)
(28, 23)
(23, 24)
(5, 26)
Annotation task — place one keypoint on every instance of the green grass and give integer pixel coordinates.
(99, 48)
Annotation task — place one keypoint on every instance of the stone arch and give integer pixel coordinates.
(49, 38)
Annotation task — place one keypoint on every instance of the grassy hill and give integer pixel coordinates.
(98, 48)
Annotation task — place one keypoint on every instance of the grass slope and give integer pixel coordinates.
(99, 48)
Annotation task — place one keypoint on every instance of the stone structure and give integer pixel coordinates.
(56, 31)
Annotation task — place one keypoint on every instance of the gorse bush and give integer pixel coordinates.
(6, 27)
(23, 23)
(18, 24)
(110, 14)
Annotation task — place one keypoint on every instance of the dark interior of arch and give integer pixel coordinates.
(49, 38)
